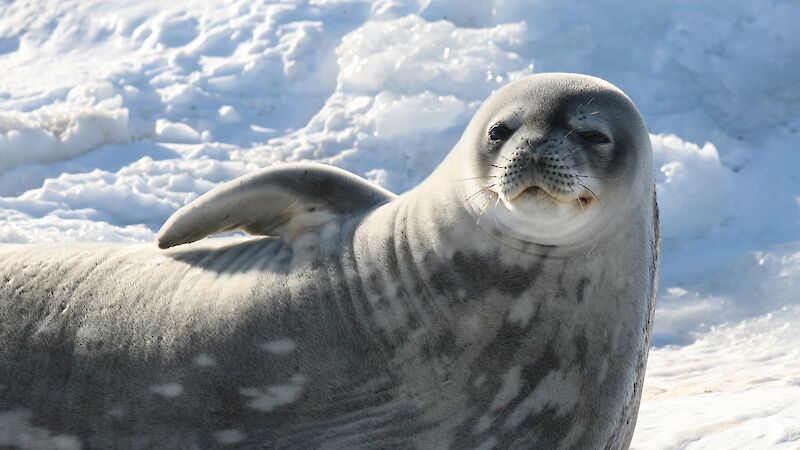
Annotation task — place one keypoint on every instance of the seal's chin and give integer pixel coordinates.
(540, 195)
(539, 216)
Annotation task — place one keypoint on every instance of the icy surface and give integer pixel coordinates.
(112, 116)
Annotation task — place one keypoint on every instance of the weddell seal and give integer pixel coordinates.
(505, 302)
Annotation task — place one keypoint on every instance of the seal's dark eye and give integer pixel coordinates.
(499, 132)
(595, 137)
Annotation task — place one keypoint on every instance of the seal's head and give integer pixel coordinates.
(554, 159)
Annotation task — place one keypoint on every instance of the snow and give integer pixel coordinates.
(58, 132)
(114, 115)
(694, 189)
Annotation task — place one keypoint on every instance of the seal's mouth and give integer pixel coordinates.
(539, 193)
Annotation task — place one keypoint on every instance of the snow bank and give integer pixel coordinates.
(410, 53)
(53, 133)
(694, 189)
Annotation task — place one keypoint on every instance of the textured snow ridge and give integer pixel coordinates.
(58, 132)
(113, 115)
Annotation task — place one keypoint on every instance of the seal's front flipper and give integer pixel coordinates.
(280, 201)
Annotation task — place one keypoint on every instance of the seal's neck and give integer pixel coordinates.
(429, 262)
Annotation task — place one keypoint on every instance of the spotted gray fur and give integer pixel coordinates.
(422, 321)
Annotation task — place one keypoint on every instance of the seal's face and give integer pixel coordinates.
(556, 157)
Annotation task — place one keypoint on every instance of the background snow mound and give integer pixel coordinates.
(409, 54)
(58, 132)
(694, 189)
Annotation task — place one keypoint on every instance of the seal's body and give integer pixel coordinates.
(458, 315)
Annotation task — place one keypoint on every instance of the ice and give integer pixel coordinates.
(113, 115)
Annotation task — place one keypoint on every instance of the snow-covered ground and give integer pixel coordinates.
(113, 115)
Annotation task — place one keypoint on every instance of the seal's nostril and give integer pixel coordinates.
(538, 160)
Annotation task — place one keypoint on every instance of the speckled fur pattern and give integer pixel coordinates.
(406, 325)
